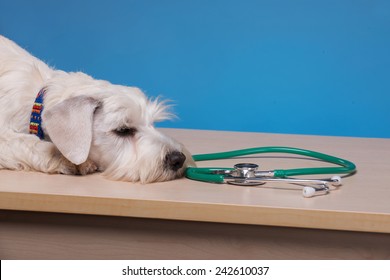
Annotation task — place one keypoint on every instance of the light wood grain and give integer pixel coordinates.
(361, 204)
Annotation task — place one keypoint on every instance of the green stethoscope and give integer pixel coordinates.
(246, 174)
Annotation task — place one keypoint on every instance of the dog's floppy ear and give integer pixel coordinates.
(69, 125)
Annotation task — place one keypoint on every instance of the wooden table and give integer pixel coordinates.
(57, 216)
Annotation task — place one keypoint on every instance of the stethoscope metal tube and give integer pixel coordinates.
(310, 189)
(246, 174)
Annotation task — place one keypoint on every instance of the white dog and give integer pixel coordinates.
(87, 125)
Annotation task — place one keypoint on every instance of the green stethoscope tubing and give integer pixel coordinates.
(210, 175)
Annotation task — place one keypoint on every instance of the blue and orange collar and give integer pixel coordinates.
(36, 115)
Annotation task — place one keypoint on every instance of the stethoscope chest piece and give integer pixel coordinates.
(242, 173)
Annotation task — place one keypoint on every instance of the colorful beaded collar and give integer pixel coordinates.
(36, 115)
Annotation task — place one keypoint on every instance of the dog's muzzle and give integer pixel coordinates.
(174, 160)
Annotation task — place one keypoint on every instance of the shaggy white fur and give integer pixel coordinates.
(90, 125)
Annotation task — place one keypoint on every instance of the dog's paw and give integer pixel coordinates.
(66, 167)
(87, 167)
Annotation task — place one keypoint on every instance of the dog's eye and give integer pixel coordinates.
(125, 131)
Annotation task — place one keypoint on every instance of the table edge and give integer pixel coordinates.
(201, 212)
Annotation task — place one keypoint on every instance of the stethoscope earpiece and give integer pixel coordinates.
(308, 191)
(336, 181)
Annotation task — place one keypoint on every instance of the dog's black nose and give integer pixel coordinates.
(174, 160)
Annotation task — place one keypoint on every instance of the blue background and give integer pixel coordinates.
(305, 67)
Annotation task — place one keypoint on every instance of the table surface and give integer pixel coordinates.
(362, 203)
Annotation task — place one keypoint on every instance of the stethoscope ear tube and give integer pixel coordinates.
(204, 175)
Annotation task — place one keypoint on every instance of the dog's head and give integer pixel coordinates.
(112, 126)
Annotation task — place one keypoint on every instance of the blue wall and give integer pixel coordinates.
(306, 67)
